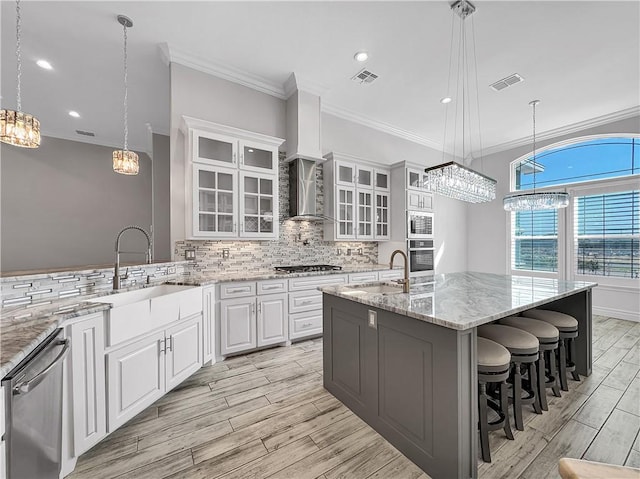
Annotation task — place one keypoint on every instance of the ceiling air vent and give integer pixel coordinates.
(507, 82)
(85, 133)
(365, 76)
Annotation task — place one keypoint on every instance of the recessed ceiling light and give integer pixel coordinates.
(44, 64)
(74, 114)
(445, 100)
(361, 56)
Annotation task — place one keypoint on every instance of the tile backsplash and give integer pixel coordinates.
(299, 242)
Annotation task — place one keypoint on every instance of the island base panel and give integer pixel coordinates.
(415, 383)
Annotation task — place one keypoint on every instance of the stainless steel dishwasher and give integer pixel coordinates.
(33, 392)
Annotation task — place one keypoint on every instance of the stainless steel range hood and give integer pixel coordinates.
(303, 150)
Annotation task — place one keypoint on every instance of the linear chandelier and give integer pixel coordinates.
(535, 200)
(125, 162)
(451, 178)
(17, 127)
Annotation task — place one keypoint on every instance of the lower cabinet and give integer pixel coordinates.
(141, 372)
(254, 321)
(88, 380)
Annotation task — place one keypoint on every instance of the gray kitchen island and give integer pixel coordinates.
(406, 362)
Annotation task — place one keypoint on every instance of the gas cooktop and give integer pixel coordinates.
(307, 268)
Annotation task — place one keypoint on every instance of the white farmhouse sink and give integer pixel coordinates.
(134, 313)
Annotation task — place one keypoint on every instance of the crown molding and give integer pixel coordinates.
(297, 83)
(225, 72)
(379, 125)
(565, 130)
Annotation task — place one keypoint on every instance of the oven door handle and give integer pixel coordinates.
(27, 386)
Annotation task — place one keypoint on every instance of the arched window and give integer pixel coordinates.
(600, 231)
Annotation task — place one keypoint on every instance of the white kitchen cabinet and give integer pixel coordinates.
(363, 277)
(360, 207)
(88, 383)
(232, 176)
(141, 372)
(272, 321)
(208, 323)
(390, 274)
(237, 325)
(419, 200)
(252, 316)
(183, 351)
(136, 378)
(415, 178)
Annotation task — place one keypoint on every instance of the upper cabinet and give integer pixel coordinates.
(357, 198)
(232, 182)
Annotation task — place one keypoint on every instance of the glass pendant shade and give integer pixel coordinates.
(460, 183)
(19, 129)
(125, 162)
(536, 201)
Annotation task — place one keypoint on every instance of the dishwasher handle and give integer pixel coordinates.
(26, 386)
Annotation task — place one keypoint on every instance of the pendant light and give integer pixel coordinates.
(125, 162)
(535, 200)
(17, 127)
(451, 178)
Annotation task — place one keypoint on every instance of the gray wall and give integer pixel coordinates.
(162, 205)
(62, 205)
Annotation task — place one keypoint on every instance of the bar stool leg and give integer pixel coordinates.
(517, 397)
(484, 424)
(542, 383)
(533, 380)
(504, 405)
(572, 358)
(562, 364)
(553, 373)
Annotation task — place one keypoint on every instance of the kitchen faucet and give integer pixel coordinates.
(404, 282)
(116, 269)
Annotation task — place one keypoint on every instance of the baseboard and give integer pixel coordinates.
(617, 313)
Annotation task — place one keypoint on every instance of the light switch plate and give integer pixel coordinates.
(373, 319)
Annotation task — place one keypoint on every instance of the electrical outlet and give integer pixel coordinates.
(359, 251)
(190, 254)
(373, 319)
(348, 251)
(225, 253)
(338, 252)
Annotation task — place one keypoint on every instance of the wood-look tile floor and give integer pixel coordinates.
(266, 414)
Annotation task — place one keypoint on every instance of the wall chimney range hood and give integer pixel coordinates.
(303, 148)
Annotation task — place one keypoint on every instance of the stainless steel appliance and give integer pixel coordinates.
(419, 225)
(306, 268)
(33, 393)
(421, 256)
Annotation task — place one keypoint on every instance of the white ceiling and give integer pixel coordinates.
(581, 58)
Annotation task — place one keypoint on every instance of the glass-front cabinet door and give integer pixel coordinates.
(258, 206)
(382, 216)
(214, 149)
(215, 202)
(345, 174)
(381, 180)
(365, 214)
(345, 212)
(364, 177)
(258, 158)
(416, 178)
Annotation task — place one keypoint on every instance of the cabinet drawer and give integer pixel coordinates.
(310, 300)
(272, 287)
(390, 274)
(363, 277)
(237, 290)
(306, 324)
(312, 282)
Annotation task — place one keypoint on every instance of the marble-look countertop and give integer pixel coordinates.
(22, 328)
(465, 300)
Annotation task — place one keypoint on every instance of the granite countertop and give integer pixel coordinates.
(465, 300)
(22, 327)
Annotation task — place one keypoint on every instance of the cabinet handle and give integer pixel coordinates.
(238, 290)
(259, 307)
(242, 158)
(305, 302)
(162, 345)
(253, 308)
(233, 158)
(170, 343)
(268, 288)
(306, 325)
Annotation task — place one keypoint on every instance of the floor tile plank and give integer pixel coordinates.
(613, 442)
(596, 410)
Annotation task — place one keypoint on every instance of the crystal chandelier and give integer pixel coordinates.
(124, 161)
(451, 178)
(535, 200)
(16, 127)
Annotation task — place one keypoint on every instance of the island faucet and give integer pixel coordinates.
(116, 269)
(404, 282)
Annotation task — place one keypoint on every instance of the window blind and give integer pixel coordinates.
(534, 240)
(607, 234)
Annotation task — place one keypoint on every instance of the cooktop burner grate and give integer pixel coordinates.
(307, 268)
